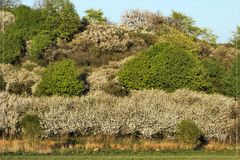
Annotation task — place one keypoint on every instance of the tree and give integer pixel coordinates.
(236, 38)
(95, 16)
(187, 25)
(62, 19)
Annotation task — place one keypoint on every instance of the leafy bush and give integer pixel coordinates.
(2, 83)
(61, 78)
(188, 132)
(28, 22)
(11, 46)
(232, 87)
(164, 67)
(116, 89)
(31, 126)
(216, 75)
(38, 44)
(168, 34)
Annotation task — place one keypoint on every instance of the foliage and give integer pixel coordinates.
(11, 46)
(232, 87)
(61, 78)
(38, 45)
(187, 25)
(217, 75)
(62, 19)
(177, 38)
(188, 132)
(236, 38)
(164, 67)
(95, 16)
(31, 126)
(2, 82)
(29, 22)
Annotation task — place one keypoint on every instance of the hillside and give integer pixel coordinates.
(151, 77)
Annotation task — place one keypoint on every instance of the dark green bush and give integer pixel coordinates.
(39, 44)
(216, 75)
(61, 78)
(2, 83)
(11, 46)
(188, 132)
(232, 87)
(29, 22)
(164, 67)
(116, 89)
(31, 126)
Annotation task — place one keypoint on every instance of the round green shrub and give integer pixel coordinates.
(166, 67)
(31, 126)
(188, 132)
(2, 83)
(61, 78)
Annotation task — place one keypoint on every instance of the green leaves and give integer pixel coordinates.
(164, 67)
(61, 78)
(95, 16)
(188, 132)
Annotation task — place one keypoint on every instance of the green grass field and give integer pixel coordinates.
(194, 155)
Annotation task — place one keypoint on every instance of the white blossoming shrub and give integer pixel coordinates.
(29, 73)
(99, 44)
(145, 112)
(142, 20)
(6, 18)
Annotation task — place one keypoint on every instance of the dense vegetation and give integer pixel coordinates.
(151, 76)
(61, 78)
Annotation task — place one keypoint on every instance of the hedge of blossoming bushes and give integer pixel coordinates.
(144, 112)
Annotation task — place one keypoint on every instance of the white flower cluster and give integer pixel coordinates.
(6, 18)
(146, 112)
(142, 20)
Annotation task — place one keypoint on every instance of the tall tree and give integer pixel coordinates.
(236, 38)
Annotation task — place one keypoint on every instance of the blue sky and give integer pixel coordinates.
(221, 16)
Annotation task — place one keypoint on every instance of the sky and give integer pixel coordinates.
(221, 16)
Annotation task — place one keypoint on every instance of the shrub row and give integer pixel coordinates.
(144, 112)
